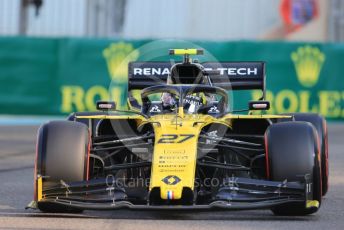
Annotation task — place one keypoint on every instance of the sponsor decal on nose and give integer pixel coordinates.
(171, 180)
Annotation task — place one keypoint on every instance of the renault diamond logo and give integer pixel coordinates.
(171, 180)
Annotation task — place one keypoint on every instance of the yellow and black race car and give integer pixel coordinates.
(183, 149)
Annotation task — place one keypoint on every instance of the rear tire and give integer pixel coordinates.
(292, 150)
(62, 154)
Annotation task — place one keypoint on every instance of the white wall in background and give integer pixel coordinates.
(58, 18)
(185, 19)
(200, 19)
(9, 17)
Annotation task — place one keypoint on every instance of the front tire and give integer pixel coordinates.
(62, 154)
(320, 125)
(292, 150)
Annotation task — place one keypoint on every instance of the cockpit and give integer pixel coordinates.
(193, 99)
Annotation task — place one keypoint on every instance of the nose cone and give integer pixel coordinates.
(174, 158)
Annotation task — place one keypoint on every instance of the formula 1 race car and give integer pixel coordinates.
(181, 148)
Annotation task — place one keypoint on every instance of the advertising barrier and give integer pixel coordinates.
(42, 76)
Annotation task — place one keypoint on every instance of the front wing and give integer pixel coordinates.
(240, 194)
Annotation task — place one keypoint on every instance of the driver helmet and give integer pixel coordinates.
(168, 100)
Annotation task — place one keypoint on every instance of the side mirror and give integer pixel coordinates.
(106, 105)
(259, 105)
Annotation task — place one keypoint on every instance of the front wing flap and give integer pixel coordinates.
(237, 194)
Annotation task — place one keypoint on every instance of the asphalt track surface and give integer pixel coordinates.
(17, 147)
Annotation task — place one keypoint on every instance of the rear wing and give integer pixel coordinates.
(227, 75)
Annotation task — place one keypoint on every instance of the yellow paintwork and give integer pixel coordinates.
(185, 51)
(177, 160)
(232, 116)
(39, 188)
(228, 116)
(139, 119)
(312, 204)
(109, 116)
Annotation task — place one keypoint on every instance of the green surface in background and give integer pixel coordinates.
(59, 76)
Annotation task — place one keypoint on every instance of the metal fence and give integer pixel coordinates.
(336, 20)
(192, 19)
(140, 19)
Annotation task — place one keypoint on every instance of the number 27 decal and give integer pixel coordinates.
(174, 138)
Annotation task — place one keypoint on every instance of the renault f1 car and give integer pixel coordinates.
(182, 148)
